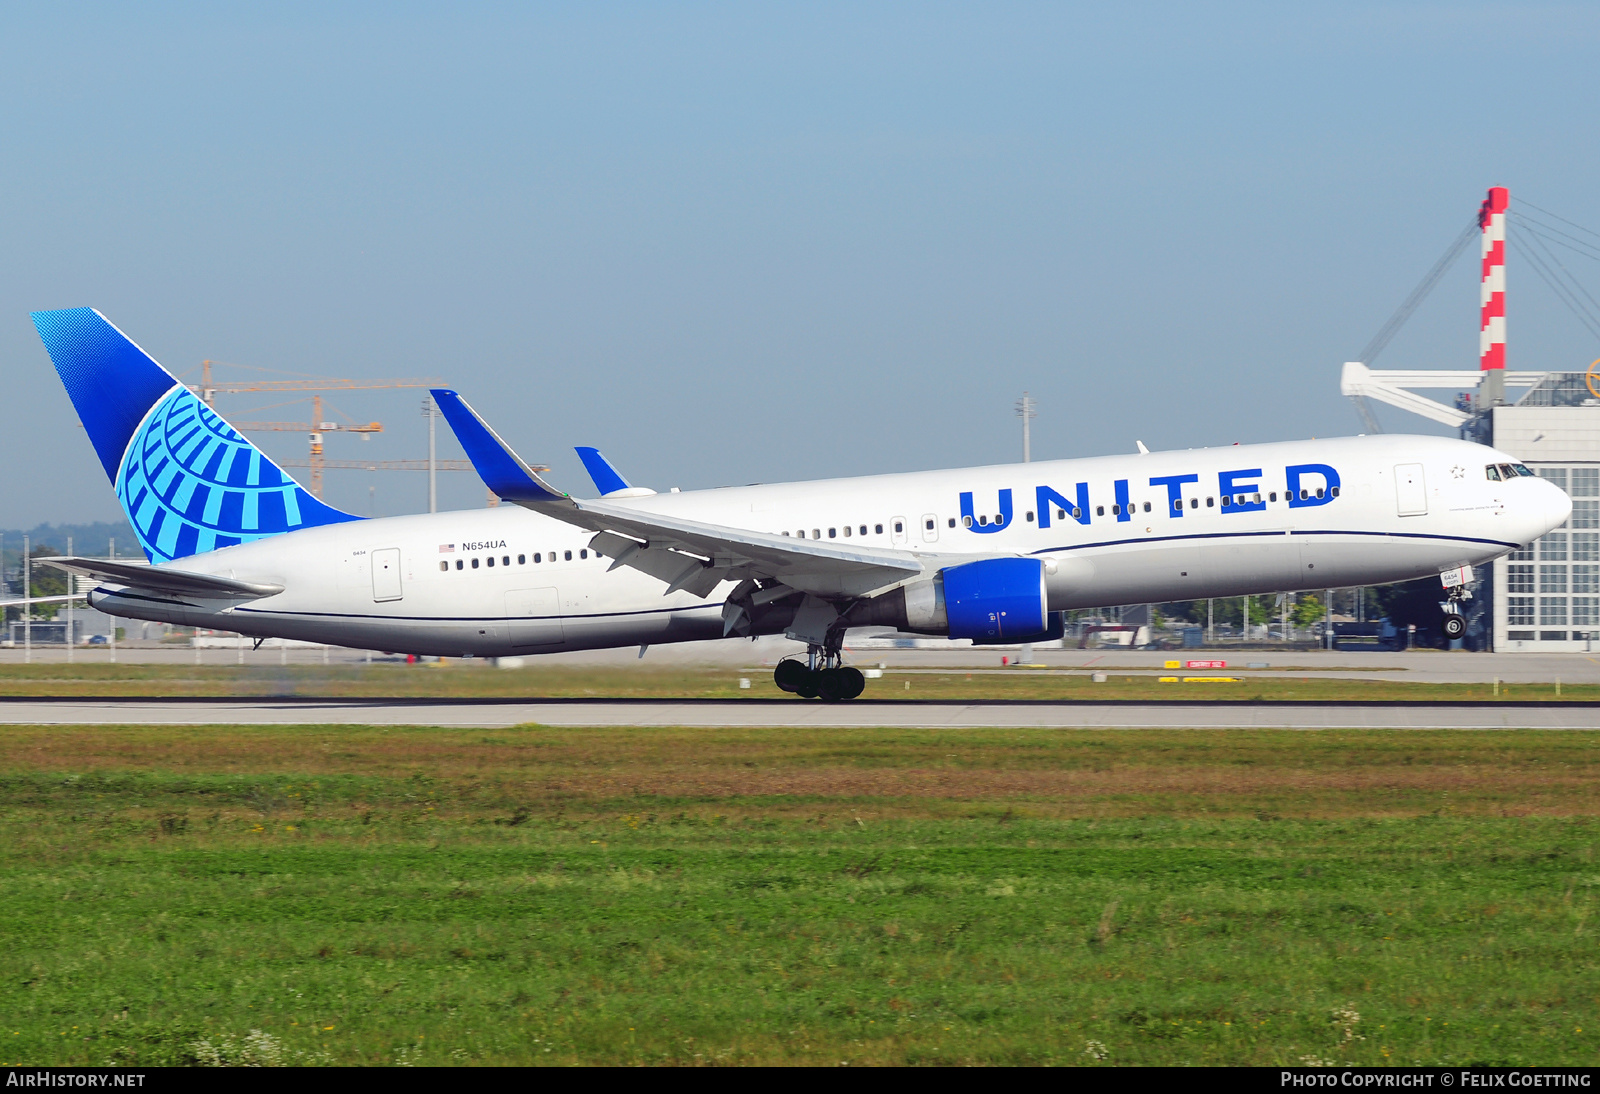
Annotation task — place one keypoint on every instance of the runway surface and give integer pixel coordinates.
(757, 658)
(799, 714)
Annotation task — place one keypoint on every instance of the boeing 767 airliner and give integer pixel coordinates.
(992, 554)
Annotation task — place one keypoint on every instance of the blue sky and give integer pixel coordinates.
(739, 243)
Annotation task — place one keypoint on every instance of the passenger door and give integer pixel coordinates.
(1410, 490)
(533, 617)
(386, 574)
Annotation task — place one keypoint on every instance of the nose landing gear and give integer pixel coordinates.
(1456, 591)
(820, 676)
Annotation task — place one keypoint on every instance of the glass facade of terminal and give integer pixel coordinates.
(1549, 592)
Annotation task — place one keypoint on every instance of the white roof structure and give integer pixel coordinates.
(1397, 387)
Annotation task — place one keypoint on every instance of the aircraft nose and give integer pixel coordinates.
(1559, 506)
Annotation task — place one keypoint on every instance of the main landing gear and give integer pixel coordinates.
(820, 676)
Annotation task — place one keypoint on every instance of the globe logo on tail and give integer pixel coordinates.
(191, 483)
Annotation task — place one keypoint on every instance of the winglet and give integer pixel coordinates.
(501, 469)
(606, 479)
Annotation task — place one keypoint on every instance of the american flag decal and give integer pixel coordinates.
(447, 548)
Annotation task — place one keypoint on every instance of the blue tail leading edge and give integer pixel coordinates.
(187, 480)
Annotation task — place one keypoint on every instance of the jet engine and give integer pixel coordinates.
(994, 600)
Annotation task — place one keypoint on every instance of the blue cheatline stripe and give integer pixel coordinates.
(471, 618)
(1401, 535)
(1250, 535)
(125, 594)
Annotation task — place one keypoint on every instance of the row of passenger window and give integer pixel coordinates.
(850, 529)
(522, 560)
(1228, 500)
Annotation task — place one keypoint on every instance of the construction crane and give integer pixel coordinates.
(210, 387)
(316, 427)
(387, 465)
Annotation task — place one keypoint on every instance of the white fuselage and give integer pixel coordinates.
(501, 581)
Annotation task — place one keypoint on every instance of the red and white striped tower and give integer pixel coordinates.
(1492, 297)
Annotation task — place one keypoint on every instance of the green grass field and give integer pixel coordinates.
(775, 896)
(476, 679)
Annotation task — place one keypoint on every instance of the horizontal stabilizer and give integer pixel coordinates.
(41, 600)
(162, 579)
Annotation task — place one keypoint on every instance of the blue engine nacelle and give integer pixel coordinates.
(997, 600)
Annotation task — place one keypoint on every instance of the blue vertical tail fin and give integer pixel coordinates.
(187, 480)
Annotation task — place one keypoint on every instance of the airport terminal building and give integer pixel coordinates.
(1546, 598)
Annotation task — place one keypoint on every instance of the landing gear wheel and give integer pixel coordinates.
(830, 686)
(789, 675)
(810, 686)
(854, 683)
(1454, 626)
(841, 683)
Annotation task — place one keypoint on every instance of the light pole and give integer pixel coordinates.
(113, 552)
(431, 412)
(27, 604)
(1027, 410)
(71, 578)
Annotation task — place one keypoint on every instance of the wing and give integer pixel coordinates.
(162, 579)
(687, 554)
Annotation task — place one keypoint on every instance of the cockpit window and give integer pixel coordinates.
(1493, 472)
(1507, 472)
(1523, 471)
